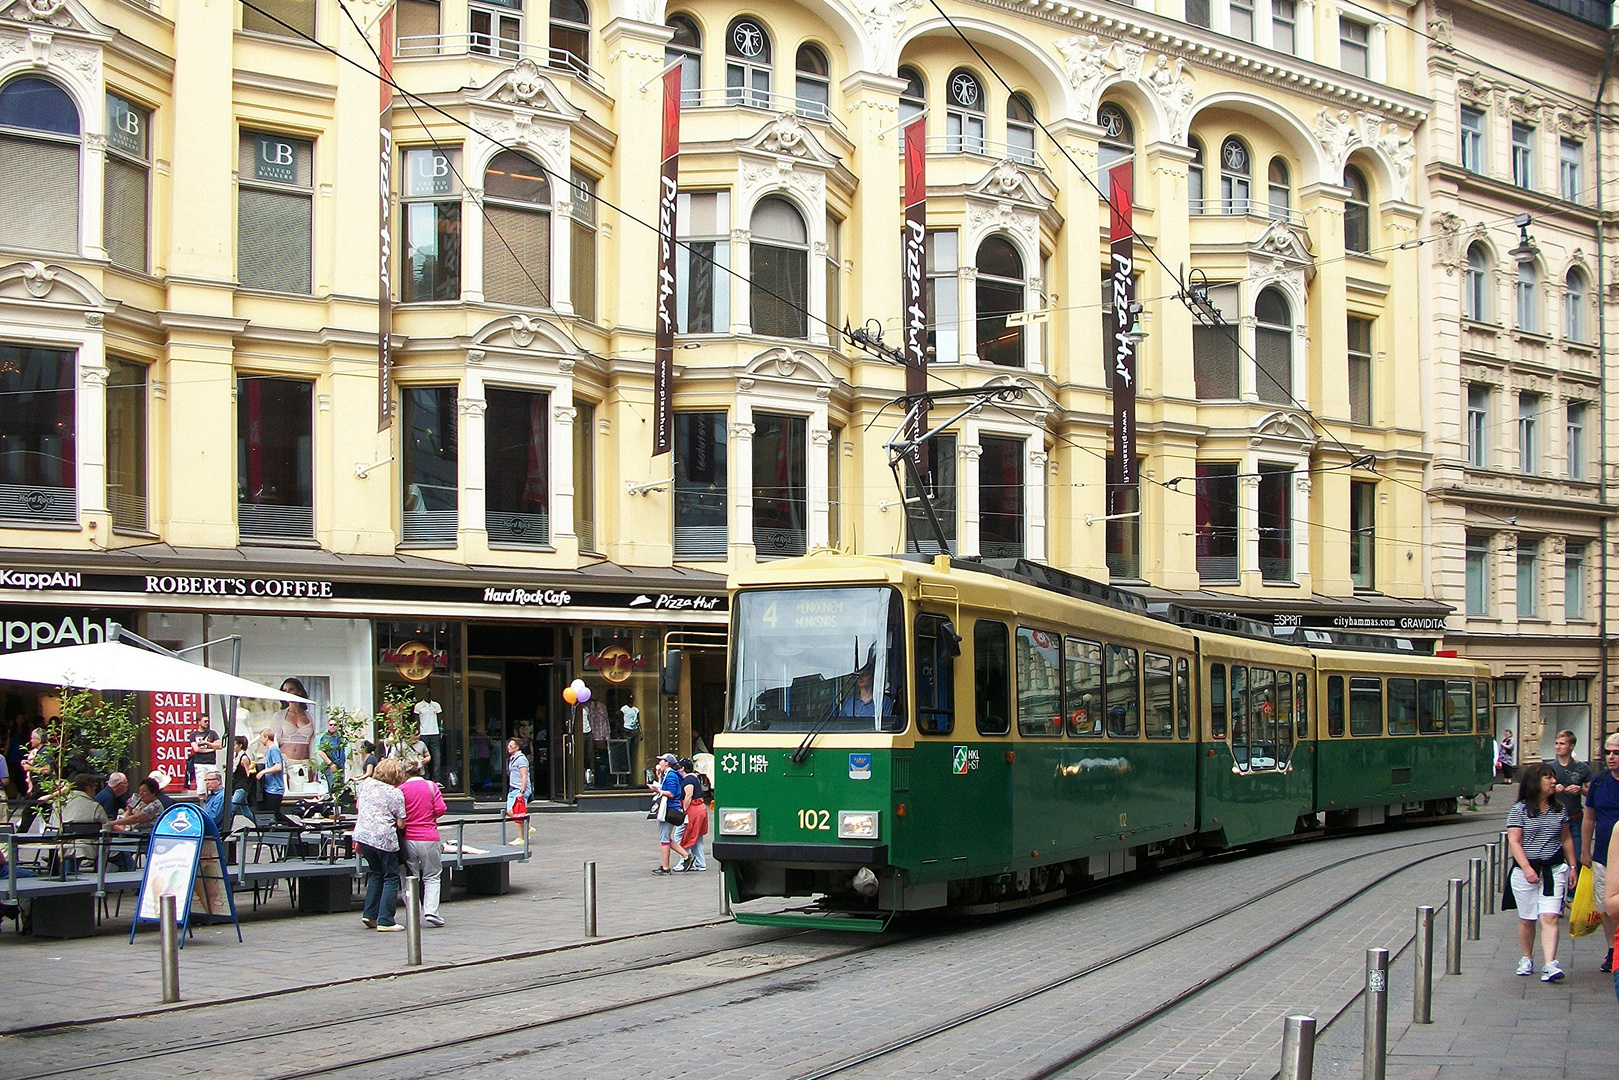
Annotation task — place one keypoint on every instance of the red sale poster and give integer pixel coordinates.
(174, 718)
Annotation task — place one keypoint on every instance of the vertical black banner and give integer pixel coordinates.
(914, 261)
(663, 419)
(385, 139)
(1121, 235)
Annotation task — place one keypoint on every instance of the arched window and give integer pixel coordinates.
(687, 47)
(517, 232)
(1020, 128)
(814, 87)
(1194, 178)
(1476, 285)
(964, 113)
(912, 100)
(570, 36)
(778, 267)
(1281, 190)
(747, 63)
(1000, 294)
(1528, 298)
(1574, 301)
(1357, 212)
(1273, 347)
(39, 141)
(1236, 177)
(1118, 144)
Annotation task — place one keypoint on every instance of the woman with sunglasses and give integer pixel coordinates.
(1601, 811)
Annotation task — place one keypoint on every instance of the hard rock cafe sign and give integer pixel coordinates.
(415, 661)
(615, 663)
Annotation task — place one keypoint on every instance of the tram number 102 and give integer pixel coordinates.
(818, 820)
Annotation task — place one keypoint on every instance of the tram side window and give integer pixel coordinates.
(1082, 685)
(1160, 697)
(1183, 697)
(1481, 708)
(1402, 706)
(1123, 693)
(1217, 700)
(1459, 706)
(1365, 705)
(992, 678)
(1284, 718)
(1039, 682)
(1304, 708)
(1262, 722)
(1431, 706)
(936, 650)
(1239, 715)
(1335, 706)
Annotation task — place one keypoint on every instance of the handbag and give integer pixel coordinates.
(665, 811)
(1508, 901)
(519, 808)
(1583, 916)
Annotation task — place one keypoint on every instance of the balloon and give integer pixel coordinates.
(569, 696)
(583, 694)
(578, 685)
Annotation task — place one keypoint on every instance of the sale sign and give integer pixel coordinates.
(174, 719)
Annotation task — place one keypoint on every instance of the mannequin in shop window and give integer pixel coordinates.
(427, 726)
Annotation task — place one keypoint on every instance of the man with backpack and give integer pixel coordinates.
(697, 795)
(1601, 812)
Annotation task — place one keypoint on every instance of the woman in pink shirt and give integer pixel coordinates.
(424, 805)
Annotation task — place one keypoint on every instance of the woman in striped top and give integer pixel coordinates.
(1542, 854)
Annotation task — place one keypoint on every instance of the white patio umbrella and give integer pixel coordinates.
(113, 665)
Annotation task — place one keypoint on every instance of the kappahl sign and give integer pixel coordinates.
(42, 629)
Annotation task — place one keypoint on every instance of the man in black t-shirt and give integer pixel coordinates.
(204, 746)
(1573, 778)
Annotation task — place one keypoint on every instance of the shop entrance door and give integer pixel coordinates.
(535, 711)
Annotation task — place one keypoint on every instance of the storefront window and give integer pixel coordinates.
(620, 665)
(423, 658)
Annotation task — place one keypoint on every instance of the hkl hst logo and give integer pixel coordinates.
(963, 760)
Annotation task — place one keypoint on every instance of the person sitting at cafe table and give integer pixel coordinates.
(82, 809)
(114, 797)
(143, 810)
(213, 803)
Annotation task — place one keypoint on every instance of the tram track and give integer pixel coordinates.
(742, 966)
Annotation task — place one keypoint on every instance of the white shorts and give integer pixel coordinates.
(1531, 902)
(1599, 878)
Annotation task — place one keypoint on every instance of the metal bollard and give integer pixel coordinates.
(168, 910)
(590, 899)
(1422, 992)
(1374, 1052)
(1492, 887)
(725, 893)
(1298, 1048)
(1506, 860)
(1453, 927)
(413, 923)
(1475, 898)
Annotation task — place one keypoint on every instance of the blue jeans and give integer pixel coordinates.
(382, 887)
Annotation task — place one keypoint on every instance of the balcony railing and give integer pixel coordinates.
(1253, 208)
(560, 60)
(984, 148)
(743, 97)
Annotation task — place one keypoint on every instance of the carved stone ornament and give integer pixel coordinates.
(1442, 28)
(785, 135)
(526, 85)
(1448, 253)
(46, 12)
(1338, 134)
(93, 376)
(1572, 125)
(884, 19)
(523, 331)
(38, 279)
(1475, 90)
(1282, 243)
(1173, 85)
(1088, 61)
(1402, 154)
(986, 218)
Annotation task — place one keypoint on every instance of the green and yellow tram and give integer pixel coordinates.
(907, 733)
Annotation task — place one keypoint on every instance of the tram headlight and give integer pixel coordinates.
(739, 823)
(857, 824)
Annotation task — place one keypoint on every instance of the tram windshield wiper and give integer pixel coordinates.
(826, 718)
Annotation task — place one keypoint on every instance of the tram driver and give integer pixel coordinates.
(861, 700)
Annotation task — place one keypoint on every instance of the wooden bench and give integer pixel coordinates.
(486, 871)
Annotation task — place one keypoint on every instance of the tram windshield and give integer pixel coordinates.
(818, 659)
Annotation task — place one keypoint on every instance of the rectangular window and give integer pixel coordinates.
(1158, 687)
(1242, 19)
(937, 647)
(298, 14)
(834, 263)
(417, 28)
(1239, 713)
(1478, 574)
(1000, 498)
(1214, 349)
(701, 486)
(834, 486)
(702, 283)
(1039, 682)
(1365, 705)
(1217, 536)
(1276, 522)
(1082, 687)
(1183, 697)
(1523, 155)
(274, 200)
(1261, 719)
(38, 459)
(1284, 26)
(1122, 693)
(584, 474)
(1197, 12)
(1459, 706)
(1217, 713)
(1472, 139)
(939, 477)
(1123, 537)
(1402, 706)
(944, 309)
(779, 296)
(1575, 440)
(430, 226)
(1335, 706)
(1574, 584)
(1354, 47)
(992, 678)
(429, 467)
(1363, 533)
(1478, 426)
(1570, 156)
(517, 464)
(1431, 707)
(1302, 699)
(1529, 433)
(275, 461)
(497, 32)
(582, 244)
(1360, 371)
(1483, 724)
(780, 484)
(1528, 580)
(128, 177)
(126, 444)
(1561, 691)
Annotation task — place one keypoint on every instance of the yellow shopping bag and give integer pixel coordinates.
(1584, 917)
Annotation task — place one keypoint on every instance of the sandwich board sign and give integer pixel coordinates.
(181, 839)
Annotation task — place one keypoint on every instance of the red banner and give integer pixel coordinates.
(385, 316)
(663, 375)
(914, 261)
(174, 719)
(1121, 234)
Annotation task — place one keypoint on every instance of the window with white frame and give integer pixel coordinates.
(1284, 23)
(1570, 161)
(938, 472)
(1476, 285)
(1574, 582)
(964, 113)
(1576, 297)
(1528, 294)
(274, 212)
(779, 270)
(1236, 177)
(814, 83)
(517, 232)
(1528, 579)
(275, 461)
(517, 466)
(1363, 533)
(582, 245)
(1354, 47)
(429, 465)
(702, 486)
(40, 138)
(1473, 126)
(1020, 128)
(126, 444)
(747, 63)
(1478, 425)
(833, 262)
(570, 36)
(1360, 370)
(1117, 144)
(584, 474)
(1199, 13)
(686, 46)
(702, 261)
(1574, 440)
(38, 428)
(1523, 155)
(430, 226)
(1280, 186)
(1000, 294)
(1275, 494)
(1242, 19)
(1195, 192)
(1219, 534)
(1357, 212)
(912, 100)
(128, 181)
(1529, 406)
(496, 28)
(417, 27)
(944, 299)
(1215, 355)
(1273, 347)
(1000, 498)
(283, 18)
(780, 484)
(1477, 553)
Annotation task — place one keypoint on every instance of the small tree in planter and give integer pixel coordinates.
(395, 723)
(347, 726)
(91, 734)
